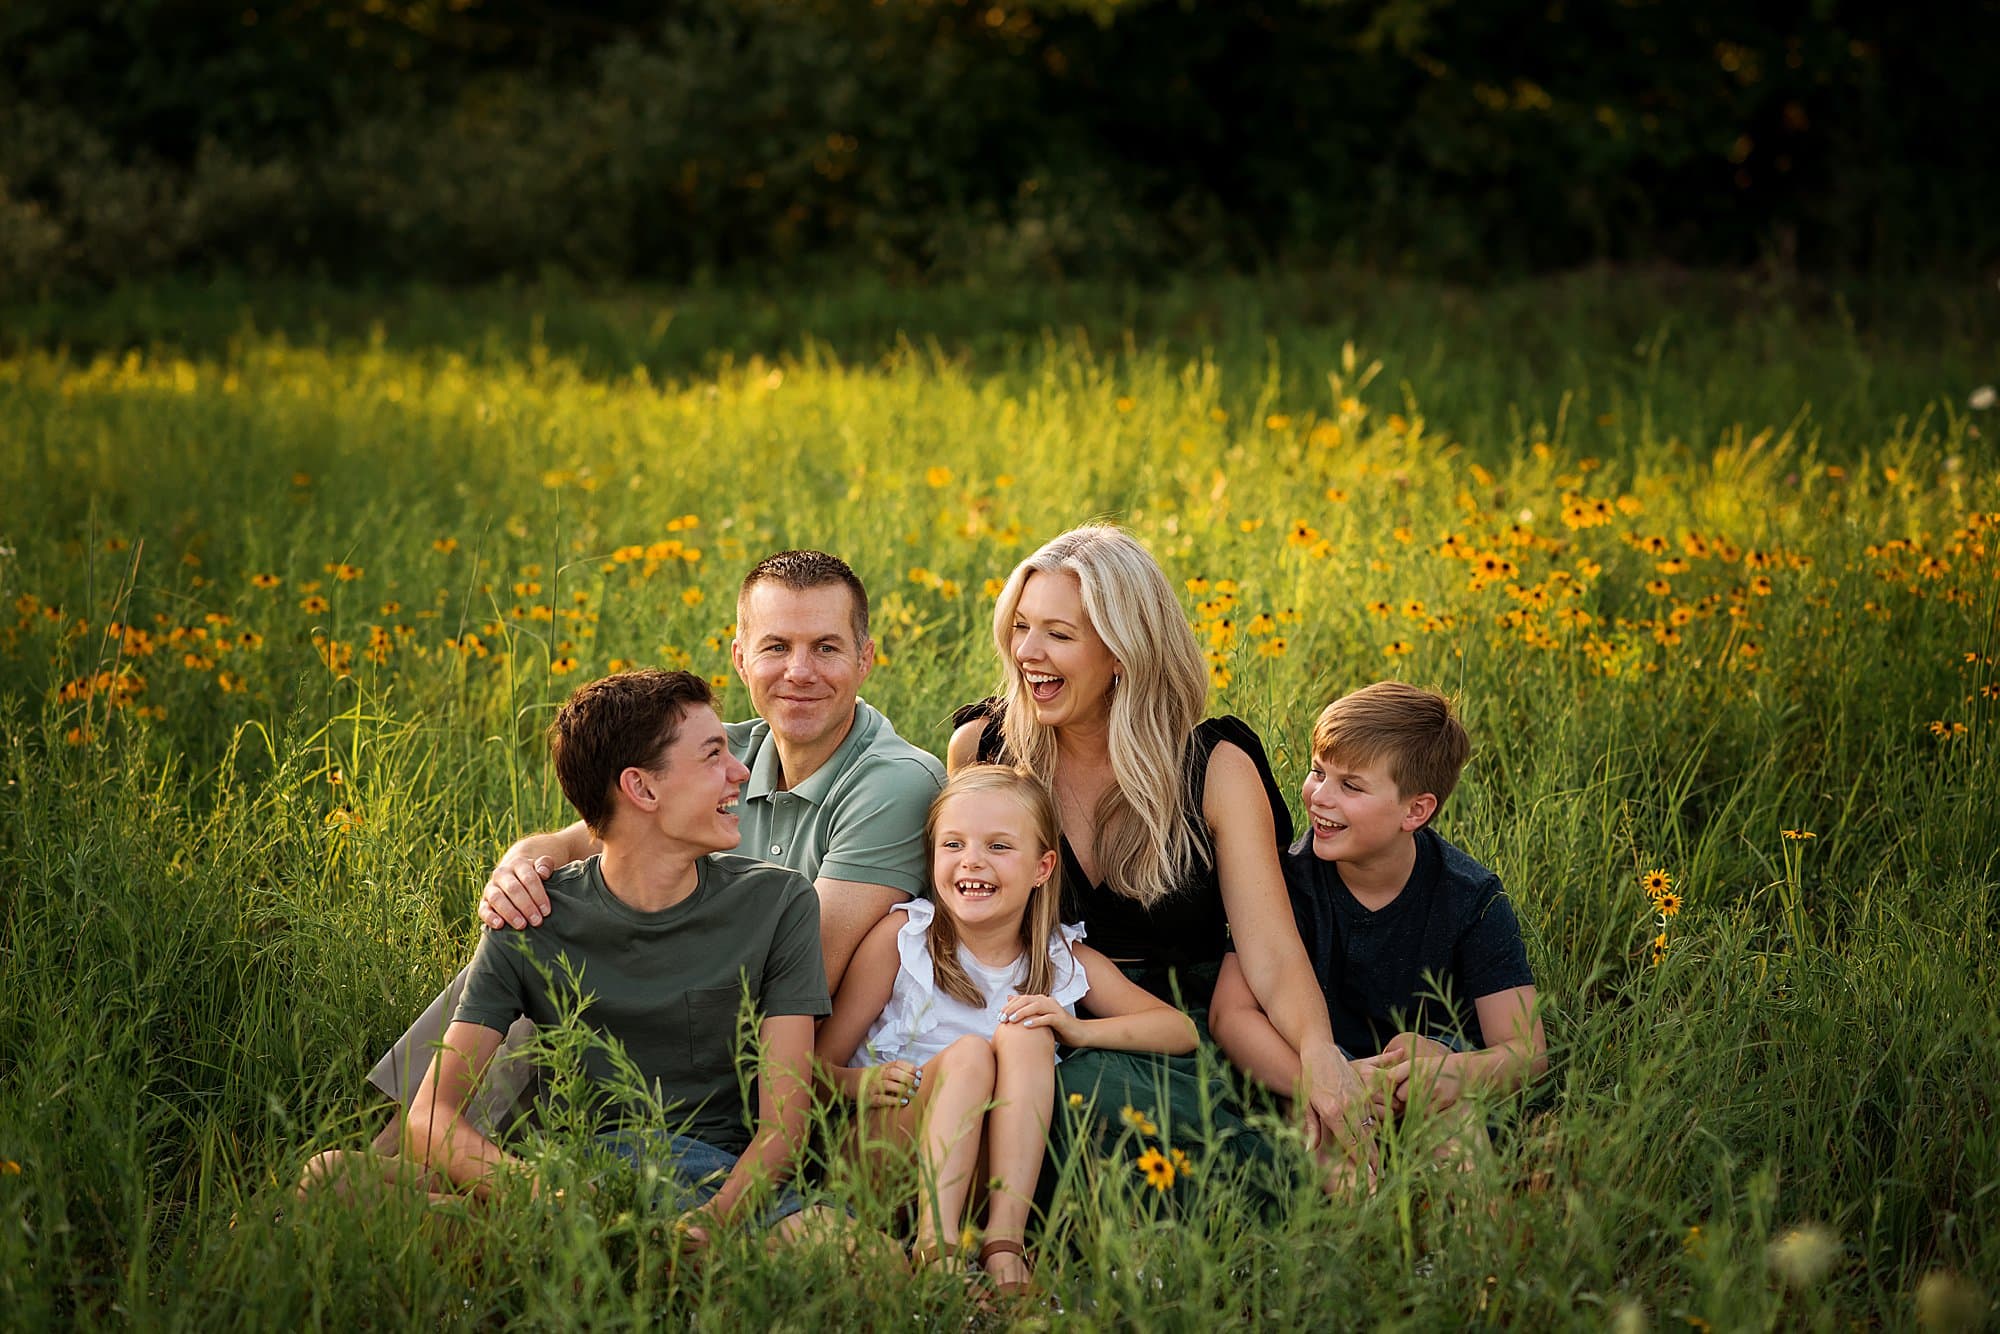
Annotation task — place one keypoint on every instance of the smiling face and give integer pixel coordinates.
(1066, 664)
(1357, 815)
(797, 653)
(694, 784)
(986, 858)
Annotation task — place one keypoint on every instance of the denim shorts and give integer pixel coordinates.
(691, 1172)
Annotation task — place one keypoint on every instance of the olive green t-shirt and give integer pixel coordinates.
(666, 985)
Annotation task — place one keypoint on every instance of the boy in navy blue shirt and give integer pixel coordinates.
(1415, 944)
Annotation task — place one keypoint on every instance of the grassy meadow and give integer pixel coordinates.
(290, 581)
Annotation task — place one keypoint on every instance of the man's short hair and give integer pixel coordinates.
(1414, 731)
(802, 570)
(616, 723)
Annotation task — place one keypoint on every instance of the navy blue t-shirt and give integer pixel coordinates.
(1417, 965)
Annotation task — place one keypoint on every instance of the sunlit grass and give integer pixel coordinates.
(283, 618)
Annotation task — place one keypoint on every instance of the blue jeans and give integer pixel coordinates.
(691, 1172)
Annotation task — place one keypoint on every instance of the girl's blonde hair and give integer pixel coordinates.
(1146, 838)
(1044, 911)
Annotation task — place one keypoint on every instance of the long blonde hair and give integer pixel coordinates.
(1044, 911)
(1145, 838)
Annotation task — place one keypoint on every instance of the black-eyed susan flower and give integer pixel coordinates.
(1157, 1169)
(266, 580)
(1656, 882)
(1798, 835)
(691, 595)
(1137, 1120)
(1396, 648)
(1669, 904)
(563, 666)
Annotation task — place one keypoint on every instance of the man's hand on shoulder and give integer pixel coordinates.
(514, 894)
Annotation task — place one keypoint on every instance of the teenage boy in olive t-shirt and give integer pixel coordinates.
(667, 940)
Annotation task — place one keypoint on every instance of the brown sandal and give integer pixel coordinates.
(1008, 1246)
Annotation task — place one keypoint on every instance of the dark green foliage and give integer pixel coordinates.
(474, 139)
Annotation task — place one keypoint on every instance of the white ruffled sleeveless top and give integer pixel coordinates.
(920, 1021)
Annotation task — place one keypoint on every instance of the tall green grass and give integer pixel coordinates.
(218, 910)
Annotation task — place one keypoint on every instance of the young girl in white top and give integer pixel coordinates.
(945, 1028)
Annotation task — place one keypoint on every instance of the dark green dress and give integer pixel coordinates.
(1133, 1101)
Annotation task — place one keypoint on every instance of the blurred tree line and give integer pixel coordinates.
(464, 139)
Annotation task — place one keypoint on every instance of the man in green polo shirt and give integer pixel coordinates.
(834, 794)
(667, 938)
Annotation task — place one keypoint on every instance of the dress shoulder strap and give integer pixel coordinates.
(992, 744)
(1211, 732)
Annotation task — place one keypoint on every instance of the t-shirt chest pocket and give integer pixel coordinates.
(711, 1029)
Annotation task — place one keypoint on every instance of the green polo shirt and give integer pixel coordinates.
(859, 817)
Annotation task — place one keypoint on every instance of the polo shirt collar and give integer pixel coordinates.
(860, 735)
(765, 772)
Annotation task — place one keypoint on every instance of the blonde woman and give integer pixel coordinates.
(1171, 823)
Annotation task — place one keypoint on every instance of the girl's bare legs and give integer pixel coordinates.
(1017, 1129)
(943, 1120)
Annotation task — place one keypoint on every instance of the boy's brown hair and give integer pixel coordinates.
(616, 723)
(1415, 731)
